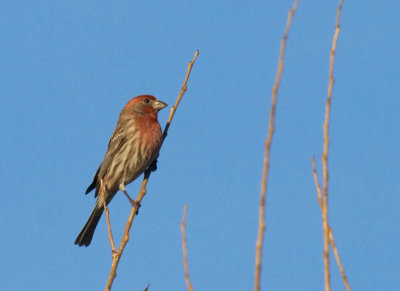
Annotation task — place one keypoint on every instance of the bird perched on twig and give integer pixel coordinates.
(132, 149)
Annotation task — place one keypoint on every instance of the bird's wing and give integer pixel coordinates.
(117, 140)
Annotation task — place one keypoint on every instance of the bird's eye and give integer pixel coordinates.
(146, 100)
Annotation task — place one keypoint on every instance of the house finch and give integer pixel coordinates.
(132, 148)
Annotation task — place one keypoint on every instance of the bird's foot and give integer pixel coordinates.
(133, 202)
(136, 205)
(153, 166)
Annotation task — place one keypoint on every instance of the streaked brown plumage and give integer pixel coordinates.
(132, 148)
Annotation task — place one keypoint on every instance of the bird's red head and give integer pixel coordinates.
(145, 105)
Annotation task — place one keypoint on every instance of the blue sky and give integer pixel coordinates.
(67, 69)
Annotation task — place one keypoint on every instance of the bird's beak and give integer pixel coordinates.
(158, 105)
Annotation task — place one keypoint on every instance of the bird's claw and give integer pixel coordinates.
(153, 166)
(137, 206)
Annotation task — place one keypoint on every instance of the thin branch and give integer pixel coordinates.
(184, 250)
(178, 100)
(331, 239)
(125, 238)
(339, 263)
(316, 181)
(107, 217)
(261, 221)
(109, 227)
(325, 150)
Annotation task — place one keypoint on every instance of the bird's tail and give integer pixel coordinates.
(85, 236)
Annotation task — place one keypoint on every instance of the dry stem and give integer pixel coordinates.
(117, 255)
(261, 221)
(339, 263)
(325, 151)
(178, 100)
(184, 250)
(107, 216)
(331, 239)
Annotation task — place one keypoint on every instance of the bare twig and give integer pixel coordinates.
(178, 100)
(125, 237)
(261, 221)
(316, 181)
(331, 239)
(339, 263)
(142, 192)
(184, 250)
(325, 151)
(107, 217)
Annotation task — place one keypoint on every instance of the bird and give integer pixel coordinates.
(133, 148)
